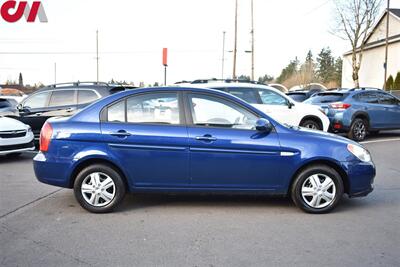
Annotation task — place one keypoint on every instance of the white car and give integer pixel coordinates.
(15, 137)
(272, 102)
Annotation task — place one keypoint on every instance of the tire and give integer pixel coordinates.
(311, 124)
(94, 193)
(358, 129)
(303, 195)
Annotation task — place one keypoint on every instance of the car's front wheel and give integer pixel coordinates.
(99, 188)
(311, 124)
(317, 189)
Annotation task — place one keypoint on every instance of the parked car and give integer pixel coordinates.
(11, 93)
(302, 95)
(8, 107)
(15, 137)
(61, 100)
(358, 112)
(177, 139)
(271, 101)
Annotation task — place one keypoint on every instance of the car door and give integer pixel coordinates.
(147, 134)
(391, 107)
(369, 102)
(225, 150)
(277, 107)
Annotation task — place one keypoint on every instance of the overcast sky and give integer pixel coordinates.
(132, 34)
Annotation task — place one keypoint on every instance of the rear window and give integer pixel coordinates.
(299, 97)
(4, 103)
(326, 98)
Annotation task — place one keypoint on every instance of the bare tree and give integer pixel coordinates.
(355, 19)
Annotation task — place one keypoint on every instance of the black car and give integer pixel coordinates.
(302, 95)
(60, 100)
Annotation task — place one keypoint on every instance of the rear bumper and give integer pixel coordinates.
(52, 171)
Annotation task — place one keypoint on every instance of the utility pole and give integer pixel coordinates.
(55, 72)
(97, 53)
(252, 41)
(223, 54)
(387, 43)
(235, 45)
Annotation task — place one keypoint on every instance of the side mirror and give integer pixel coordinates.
(290, 104)
(263, 125)
(19, 107)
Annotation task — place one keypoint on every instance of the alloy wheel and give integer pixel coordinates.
(360, 131)
(98, 189)
(318, 191)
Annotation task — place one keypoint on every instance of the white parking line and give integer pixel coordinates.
(380, 141)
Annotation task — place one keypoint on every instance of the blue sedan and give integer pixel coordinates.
(195, 140)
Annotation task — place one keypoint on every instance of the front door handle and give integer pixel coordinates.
(207, 138)
(121, 133)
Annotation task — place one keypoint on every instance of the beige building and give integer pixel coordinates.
(371, 73)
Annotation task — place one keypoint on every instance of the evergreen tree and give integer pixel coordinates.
(338, 71)
(326, 65)
(265, 79)
(244, 78)
(288, 71)
(396, 85)
(20, 80)
(389, 83)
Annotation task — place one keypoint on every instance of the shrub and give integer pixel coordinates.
(396, 85)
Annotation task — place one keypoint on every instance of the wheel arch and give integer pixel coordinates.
(97, 160)
(329, 163)
(314, 118)
(361, 115)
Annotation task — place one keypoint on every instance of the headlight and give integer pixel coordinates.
(29, 129)
(360, 152)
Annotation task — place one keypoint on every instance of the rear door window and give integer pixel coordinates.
(367, 97)
(326, 98)
(63, 98)
(86, 96)
(387, 99)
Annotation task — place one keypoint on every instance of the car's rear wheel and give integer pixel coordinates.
(358, 129)
(311, 124)
(99, 188)
(317, 189)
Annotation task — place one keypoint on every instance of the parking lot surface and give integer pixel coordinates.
(42, 225)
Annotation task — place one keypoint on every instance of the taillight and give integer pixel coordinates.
(339, 105)
(45, 137)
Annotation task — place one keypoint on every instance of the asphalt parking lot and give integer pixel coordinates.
(42, 225)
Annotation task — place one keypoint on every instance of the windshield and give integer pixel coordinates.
(326, 98)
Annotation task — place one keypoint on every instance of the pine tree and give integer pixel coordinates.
(289, 70)
(389, 83)
(20, 80)
(396, 85)
(265, 79)
(326, 65)
(338, 71)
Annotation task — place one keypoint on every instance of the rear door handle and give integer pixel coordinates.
(121, 133)
(206, 137)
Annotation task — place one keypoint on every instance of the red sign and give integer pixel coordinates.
(165, 56)
(12, 11)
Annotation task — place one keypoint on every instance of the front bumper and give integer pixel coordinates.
(361, 177)
(17, 148)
